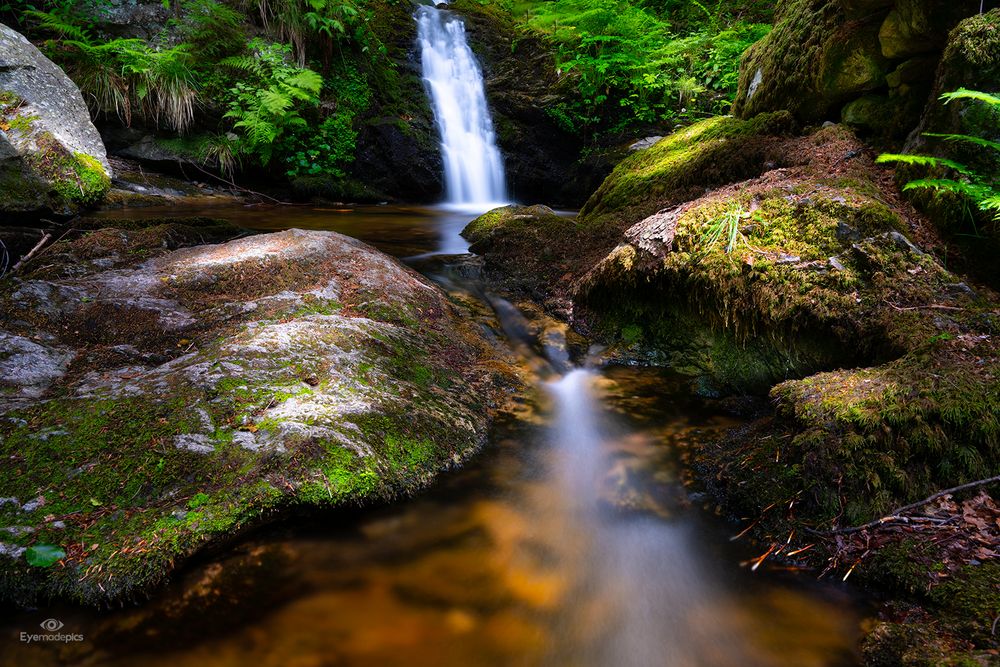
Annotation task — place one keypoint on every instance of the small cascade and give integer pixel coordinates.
(473, 165)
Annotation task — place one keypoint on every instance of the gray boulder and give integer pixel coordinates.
(174, 397)
(51, 156)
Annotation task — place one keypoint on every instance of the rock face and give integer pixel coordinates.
(148, 410)
(543, 160)
(51, 156)
(876, 57)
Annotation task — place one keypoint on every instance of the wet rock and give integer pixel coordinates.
(51, 156)
(643, 144)
(28, 368)
(297, 368)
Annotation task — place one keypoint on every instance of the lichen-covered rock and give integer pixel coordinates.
(181, 399)
(51, 156)
(822, 55)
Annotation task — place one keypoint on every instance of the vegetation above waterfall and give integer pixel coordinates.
(286, 86)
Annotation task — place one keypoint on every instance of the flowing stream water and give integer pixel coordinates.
(473, 165)
(571, 540)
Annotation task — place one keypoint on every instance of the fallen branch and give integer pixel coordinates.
(895, 515)
(31, 253)
(930, 306)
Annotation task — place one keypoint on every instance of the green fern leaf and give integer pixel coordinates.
(965, 94)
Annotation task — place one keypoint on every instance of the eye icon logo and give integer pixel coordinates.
(51, 624)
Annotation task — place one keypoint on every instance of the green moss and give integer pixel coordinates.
(894, 433)
(77, 179)
(680, 167)
(970, 601)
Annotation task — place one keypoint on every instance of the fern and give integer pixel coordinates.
(983, 190)
(123, 76)
(267, 108)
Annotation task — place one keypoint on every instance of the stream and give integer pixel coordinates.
(571, 540)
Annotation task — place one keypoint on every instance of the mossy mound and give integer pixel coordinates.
(527, 247)
(682, 166)
(796, 278)
(152, 409)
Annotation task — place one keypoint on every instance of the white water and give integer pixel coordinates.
(473, 166)
(645, 570)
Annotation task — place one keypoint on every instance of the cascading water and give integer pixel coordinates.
(473, 166)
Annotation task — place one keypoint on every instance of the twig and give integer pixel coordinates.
(31, 253)
(934, 306)
(39, 250)
(894, 516)
(6, 259)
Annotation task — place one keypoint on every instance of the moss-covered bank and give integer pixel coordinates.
(813, 280)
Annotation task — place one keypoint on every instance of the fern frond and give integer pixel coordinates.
(924, 161)
(973, 190)
(965, 94)
(275, 102)
(61, 25)
(307, 80)
(965, 138)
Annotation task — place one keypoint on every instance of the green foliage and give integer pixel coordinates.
(725, 229)
(325, 23)
(630, 66)
(122, 76)
(982, 189)
(266, 105)
(44, 555)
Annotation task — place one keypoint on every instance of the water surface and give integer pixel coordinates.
(572, 540)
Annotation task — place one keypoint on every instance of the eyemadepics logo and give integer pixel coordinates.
(52, 626)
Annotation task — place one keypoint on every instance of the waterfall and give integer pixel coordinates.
(473, 166)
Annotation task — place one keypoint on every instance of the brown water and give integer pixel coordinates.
(570, 541)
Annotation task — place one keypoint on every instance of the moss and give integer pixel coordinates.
(894, 433)
(680, 167)
(78, 180)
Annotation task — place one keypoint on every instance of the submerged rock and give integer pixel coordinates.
(51, 156)
(213, 385)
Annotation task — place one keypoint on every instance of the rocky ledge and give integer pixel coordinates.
(759, 262)
(157, 398)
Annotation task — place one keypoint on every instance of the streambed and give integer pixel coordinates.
(570, 541)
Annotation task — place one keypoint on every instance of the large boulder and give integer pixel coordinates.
(51, 156)
(872, 59)
(148, 410)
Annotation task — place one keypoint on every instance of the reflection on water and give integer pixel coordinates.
(570, 541)
(401, 231)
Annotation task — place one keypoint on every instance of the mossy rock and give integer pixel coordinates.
(895, 433)
(51, 156)
(683, 165)
(971, 60)
(802, 287)
(821, 55)
(155, 407)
